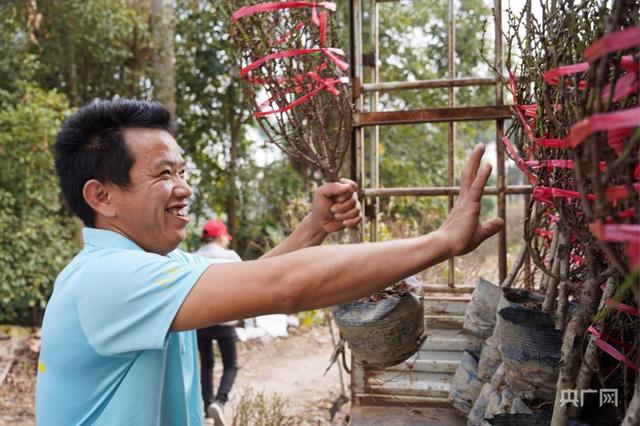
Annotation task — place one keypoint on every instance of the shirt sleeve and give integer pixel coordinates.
(128, 304)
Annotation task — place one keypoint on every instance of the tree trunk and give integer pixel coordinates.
(551, 255)
(162, 34)
(550, 297)
(517, 265)
(572, 341)
(135, 64)
(72, 71)
(235, 123)
(563, 290)
(590, 361)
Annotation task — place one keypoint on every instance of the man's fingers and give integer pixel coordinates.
(347, 215)
(479, 182)
(342, 190)
(471, 167)
(351, 223)
(342, 207)
(352, 184)
(344, 197)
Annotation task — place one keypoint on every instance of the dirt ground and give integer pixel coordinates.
(292, 367)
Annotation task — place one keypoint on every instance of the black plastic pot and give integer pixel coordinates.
(529, 335)
(530, 350)
(383, 333)
(510, 298)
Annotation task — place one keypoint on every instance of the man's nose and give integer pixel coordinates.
(182, 189)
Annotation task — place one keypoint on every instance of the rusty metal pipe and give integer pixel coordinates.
(439, 191)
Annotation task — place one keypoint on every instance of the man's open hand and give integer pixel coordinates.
(335, 206)
(462, 227)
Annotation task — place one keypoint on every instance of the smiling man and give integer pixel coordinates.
(118, 339)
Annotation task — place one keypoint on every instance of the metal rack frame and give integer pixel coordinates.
(451, 115)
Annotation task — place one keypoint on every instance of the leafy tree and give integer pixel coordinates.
(37, 236)
(94, 49)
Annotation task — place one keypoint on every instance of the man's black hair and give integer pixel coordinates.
(91, 145)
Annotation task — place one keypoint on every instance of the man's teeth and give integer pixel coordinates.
(178, 212)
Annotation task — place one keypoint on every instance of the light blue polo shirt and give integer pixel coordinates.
(107, 355)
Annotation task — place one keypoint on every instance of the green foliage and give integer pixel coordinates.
(313, 317)
(273, 200)
(209, 108)
(37, 237)
(16, 65)
(94, 49)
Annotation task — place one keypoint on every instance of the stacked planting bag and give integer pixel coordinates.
(518, 365)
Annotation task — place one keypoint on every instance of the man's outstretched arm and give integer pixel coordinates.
(316, 277)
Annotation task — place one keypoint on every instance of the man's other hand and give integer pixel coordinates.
(335, 206)
(462, 227)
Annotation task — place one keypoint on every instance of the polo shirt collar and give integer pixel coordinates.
(105, 238)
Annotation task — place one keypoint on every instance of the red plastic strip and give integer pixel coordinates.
(551, 76)
(624, 119)
(622, 307)
(613, 42)
(531, 110)
(323, 28)
(550, 143)
(288, 34)
(326, 84)
(610, 337)
(626, 214)
(563, 164)
(632, 249)
(629, 234)
(625, 86)
(272, 6)
(610, 350)
(617, 192)
(514, 93)
(576, 259)
(546, 233)
(514, 155)
(330, 52)
(546, 195)
(628, 63)
(621, 232)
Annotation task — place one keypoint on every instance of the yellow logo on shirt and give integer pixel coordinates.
(41, 367)
(170, 276)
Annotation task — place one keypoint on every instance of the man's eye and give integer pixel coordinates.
(166, 172)
(182, 173)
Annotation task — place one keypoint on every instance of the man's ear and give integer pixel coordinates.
(96, 194)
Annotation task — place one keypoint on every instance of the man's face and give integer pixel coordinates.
(152, 210)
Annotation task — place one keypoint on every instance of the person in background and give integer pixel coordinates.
(215, 239)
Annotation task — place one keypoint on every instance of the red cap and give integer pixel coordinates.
(214, 228)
